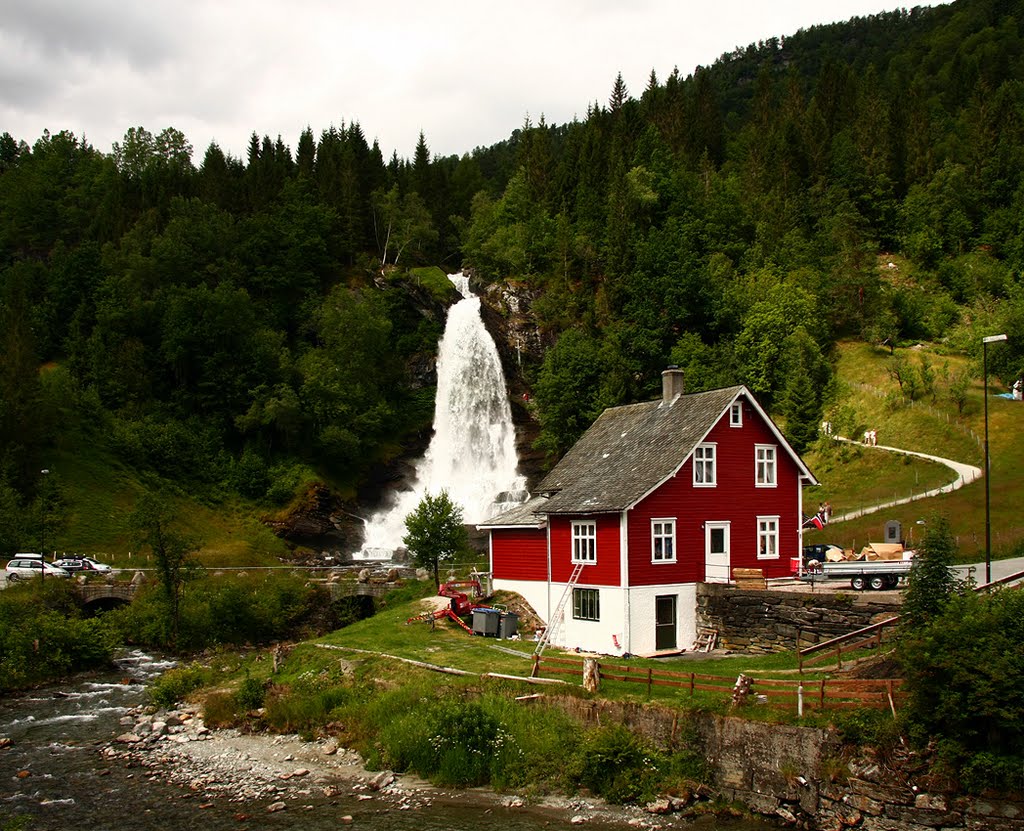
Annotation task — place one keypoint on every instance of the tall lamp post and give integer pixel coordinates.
(42, 527)
(988, 464)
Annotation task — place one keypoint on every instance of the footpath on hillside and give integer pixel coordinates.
(965, 474)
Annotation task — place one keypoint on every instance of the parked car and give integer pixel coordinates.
(25, 568)
(817, 552)
(81, 564)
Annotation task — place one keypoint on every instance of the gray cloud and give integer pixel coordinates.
(466, 72)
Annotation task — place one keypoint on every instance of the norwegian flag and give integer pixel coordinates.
(814, 522)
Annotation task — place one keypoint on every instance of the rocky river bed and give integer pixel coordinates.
(262, 774)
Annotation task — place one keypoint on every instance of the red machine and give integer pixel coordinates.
(458, 591)
(463, 594)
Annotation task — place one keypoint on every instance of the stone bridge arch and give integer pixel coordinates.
(99, 597)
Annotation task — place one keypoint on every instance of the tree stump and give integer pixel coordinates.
(591, 675)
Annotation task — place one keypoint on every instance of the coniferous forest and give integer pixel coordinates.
(222, 323)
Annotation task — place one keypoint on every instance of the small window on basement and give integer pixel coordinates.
(586, 604)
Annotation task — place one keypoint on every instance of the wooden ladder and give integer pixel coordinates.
(706, 640)
(558, 616)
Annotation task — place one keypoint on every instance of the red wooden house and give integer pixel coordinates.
(653, 499)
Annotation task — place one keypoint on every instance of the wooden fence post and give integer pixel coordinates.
(691, 685)
(648, 682)
(535, 672)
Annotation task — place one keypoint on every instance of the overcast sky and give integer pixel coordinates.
(465, 72)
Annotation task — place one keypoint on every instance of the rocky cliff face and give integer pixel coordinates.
(506, 311)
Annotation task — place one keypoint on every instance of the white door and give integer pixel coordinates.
(716, 552)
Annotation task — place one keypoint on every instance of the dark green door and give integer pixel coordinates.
(665, 622)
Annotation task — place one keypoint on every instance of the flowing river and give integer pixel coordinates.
(55, 775)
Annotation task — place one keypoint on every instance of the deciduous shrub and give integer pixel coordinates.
(174, 685)
(618, 765)
(43, 636)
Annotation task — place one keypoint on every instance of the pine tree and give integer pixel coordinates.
(932, 580)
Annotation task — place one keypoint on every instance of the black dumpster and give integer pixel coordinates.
(509, 625)
(486, 621)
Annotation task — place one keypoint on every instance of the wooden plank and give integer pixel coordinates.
(831, 643)
(560, 671)
(564, 661)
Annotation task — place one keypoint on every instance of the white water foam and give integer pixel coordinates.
(472, 453)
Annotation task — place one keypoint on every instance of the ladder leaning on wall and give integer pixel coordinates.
(558, 615)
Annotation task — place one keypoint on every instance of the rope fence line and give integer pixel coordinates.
(928, 408)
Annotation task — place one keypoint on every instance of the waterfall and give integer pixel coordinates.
(472, 453)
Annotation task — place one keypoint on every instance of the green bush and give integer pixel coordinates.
(251, 693)
(43, 635)
(868, 727)
(176, 684)
(618, 765)
(302, 711)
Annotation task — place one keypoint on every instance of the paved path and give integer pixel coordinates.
(965, 474)
(1000, 569)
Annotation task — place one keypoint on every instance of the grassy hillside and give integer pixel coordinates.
(854, 477)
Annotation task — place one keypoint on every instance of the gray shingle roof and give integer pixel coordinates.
(629, 450)
(524, 515)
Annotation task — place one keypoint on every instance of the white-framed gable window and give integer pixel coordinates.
(704, 465)
(736, 414)
(767, 538)
(584, 542)
(764, 465)
(663, 540)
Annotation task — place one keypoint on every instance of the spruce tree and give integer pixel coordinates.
(932, 580)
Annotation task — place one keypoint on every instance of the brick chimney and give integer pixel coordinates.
(672, 384)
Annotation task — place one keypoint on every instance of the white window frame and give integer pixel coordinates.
(768, 538)
(705, 460)
(584, 541)
(736, 414)
(663, 530)
(589, 609)
(766, 466)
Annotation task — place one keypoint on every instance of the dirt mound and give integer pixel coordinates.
(529, 620)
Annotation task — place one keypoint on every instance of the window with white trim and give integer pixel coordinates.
(767, 538)
(663, 540)
(584, 542)
(736, 414)
(764, 465)
(704, 465)
(586, 604)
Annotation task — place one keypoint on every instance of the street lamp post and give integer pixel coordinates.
(988, 464)
(42, 527)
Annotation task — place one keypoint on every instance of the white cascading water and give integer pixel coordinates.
(472, 453)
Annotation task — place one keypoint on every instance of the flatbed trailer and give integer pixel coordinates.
(861, 574)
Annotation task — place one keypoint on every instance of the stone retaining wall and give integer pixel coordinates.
(757, 621)
(804, 775)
